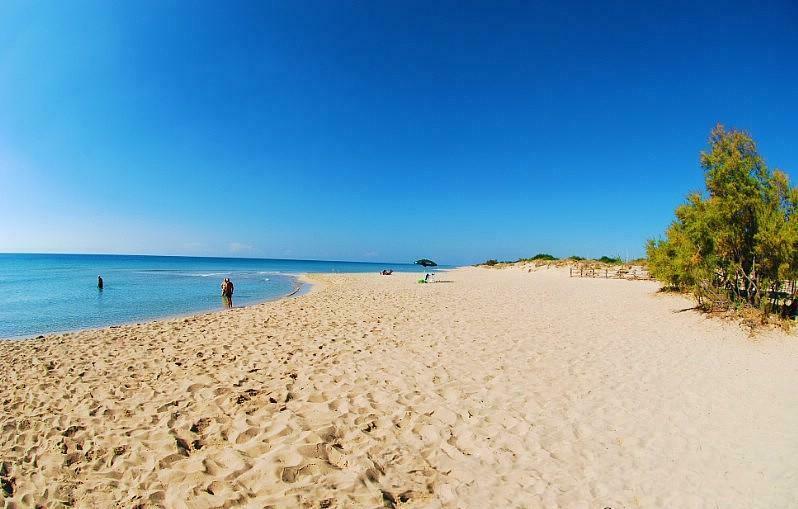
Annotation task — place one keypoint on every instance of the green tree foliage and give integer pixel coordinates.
(608, 259)
(737, 241)
(538, 257)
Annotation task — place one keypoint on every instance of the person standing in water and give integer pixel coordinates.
(99, 282)
(227, 292)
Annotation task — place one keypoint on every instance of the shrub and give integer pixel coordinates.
(738, 241)
(539, 257)
(491, 262)
(606, 259)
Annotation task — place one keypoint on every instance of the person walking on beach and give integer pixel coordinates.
(227, 292)
(99, 282)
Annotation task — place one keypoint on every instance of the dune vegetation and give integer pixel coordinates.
(545, 259)
(734, 245)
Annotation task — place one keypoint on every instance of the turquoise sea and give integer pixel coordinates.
(42, 293)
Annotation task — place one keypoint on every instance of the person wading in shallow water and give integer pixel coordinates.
(227, 292)
(99, 282)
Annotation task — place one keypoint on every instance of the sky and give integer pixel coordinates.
(376, 131)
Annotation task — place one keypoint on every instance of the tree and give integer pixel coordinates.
(737, 241)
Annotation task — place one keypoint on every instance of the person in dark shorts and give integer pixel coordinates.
(227, 292)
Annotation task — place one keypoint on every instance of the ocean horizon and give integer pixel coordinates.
(43, 293)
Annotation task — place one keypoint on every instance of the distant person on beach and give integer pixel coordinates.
(99, 282)
(227, 292)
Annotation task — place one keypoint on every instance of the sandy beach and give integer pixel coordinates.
(489, 388)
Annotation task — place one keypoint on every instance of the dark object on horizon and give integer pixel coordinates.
(424, 262)
(99, 282)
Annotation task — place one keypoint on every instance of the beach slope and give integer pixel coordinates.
(489, 388)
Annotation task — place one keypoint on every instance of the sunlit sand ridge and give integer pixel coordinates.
(495, 388)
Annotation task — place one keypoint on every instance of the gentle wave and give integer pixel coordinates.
(183, 274)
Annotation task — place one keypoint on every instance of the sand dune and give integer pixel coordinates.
(496, 389)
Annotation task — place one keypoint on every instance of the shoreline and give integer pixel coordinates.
(304, 286)
(53, 293)
(499, 385)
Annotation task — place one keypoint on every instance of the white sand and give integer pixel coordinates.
(501, 388)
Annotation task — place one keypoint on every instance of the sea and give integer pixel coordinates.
(44, 293)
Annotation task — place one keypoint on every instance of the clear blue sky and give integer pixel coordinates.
(384, 131)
